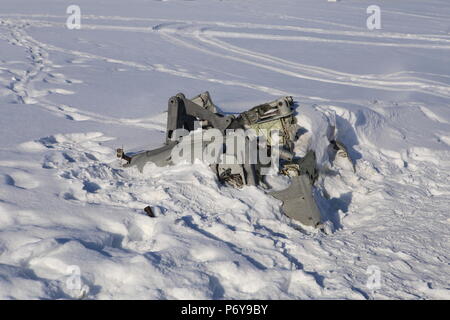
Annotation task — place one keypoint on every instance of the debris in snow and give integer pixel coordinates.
(68, 97)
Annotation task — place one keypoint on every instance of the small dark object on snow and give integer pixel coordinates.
(148, 210)
(122, 155)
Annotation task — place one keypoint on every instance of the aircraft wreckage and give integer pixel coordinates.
(242, 149)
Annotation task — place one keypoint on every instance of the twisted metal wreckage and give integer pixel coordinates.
(185, 116)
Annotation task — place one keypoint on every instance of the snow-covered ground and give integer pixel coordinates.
(68, 98)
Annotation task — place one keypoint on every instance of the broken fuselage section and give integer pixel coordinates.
(241, 149)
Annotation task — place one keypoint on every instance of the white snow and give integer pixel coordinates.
(68, 98)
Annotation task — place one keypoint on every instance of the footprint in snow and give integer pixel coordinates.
(21, 180)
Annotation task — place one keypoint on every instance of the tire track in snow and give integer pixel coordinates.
(143, 67)
(439, 40)
(165, 69)
(307, 72)
(245, 25)
(321, 74)
(193, 30)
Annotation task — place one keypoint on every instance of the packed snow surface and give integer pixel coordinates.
(69, 98)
